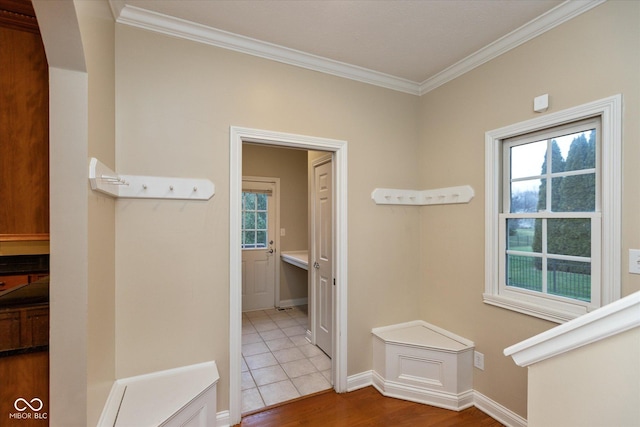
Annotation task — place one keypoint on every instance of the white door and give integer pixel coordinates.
(322, 274)
(258, 242)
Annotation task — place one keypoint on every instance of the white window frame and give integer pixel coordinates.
(258, 188)
(557, 310)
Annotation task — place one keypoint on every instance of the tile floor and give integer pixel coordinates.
(278, 363)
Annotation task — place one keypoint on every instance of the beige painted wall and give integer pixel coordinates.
(593, 56)
(98, 30)
(596, 385)
(175, 102)
(291, 167)
(176, 99)
(68, 264)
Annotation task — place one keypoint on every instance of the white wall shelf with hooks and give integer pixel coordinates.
(439, 196)
(105, 180)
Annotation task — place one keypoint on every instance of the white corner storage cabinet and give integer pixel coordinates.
(423, 363)
(180, 397)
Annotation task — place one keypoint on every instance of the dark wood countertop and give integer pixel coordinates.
(30, 294)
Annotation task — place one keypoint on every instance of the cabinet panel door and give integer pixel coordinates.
(24, 134)
(36, 327)
(9, 330)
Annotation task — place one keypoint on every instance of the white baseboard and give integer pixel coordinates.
(440, 399)
(358, 381)
(479, 400)
(293, 302)
(473, 398)
(497, 411)
(223, 419)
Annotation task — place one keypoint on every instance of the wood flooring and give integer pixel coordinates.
(364, 407)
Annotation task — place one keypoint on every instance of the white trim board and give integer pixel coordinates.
(440, 399)
(176, 27)
(540, 25)
(480, 401)
(612, 319)
(237, 136)
(223, 419)
(497, 411)
(153, 21)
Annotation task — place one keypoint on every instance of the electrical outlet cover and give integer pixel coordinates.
(478, 360)
(634, 261)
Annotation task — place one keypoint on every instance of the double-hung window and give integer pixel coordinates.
(552, 224)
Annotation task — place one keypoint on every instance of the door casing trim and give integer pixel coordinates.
(237, 136)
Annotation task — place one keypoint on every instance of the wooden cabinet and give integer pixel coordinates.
(34, 327)
(24, 327)
(9, 330)
(24, 126)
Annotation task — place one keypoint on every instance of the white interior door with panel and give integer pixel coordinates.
(259, 245)
(322, 255)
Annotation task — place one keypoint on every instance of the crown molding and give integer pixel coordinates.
(168, 25)
(116, 7)
(18, 15)
(176, 27)
(545, 22)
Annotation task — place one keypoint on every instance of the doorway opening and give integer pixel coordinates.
(338, 153)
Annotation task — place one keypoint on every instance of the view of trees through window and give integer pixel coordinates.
(254, 220)
(557, 247)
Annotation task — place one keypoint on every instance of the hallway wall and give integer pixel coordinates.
(593, 56)
(175, 102)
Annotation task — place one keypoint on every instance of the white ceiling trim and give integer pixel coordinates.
(153, 21)
(545, 22)
(176, 27)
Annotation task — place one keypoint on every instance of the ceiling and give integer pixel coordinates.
(412, 41)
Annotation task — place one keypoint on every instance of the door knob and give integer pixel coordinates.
(270, 250)
(316, 265)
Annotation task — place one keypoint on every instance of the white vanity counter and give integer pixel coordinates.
(297, 258)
